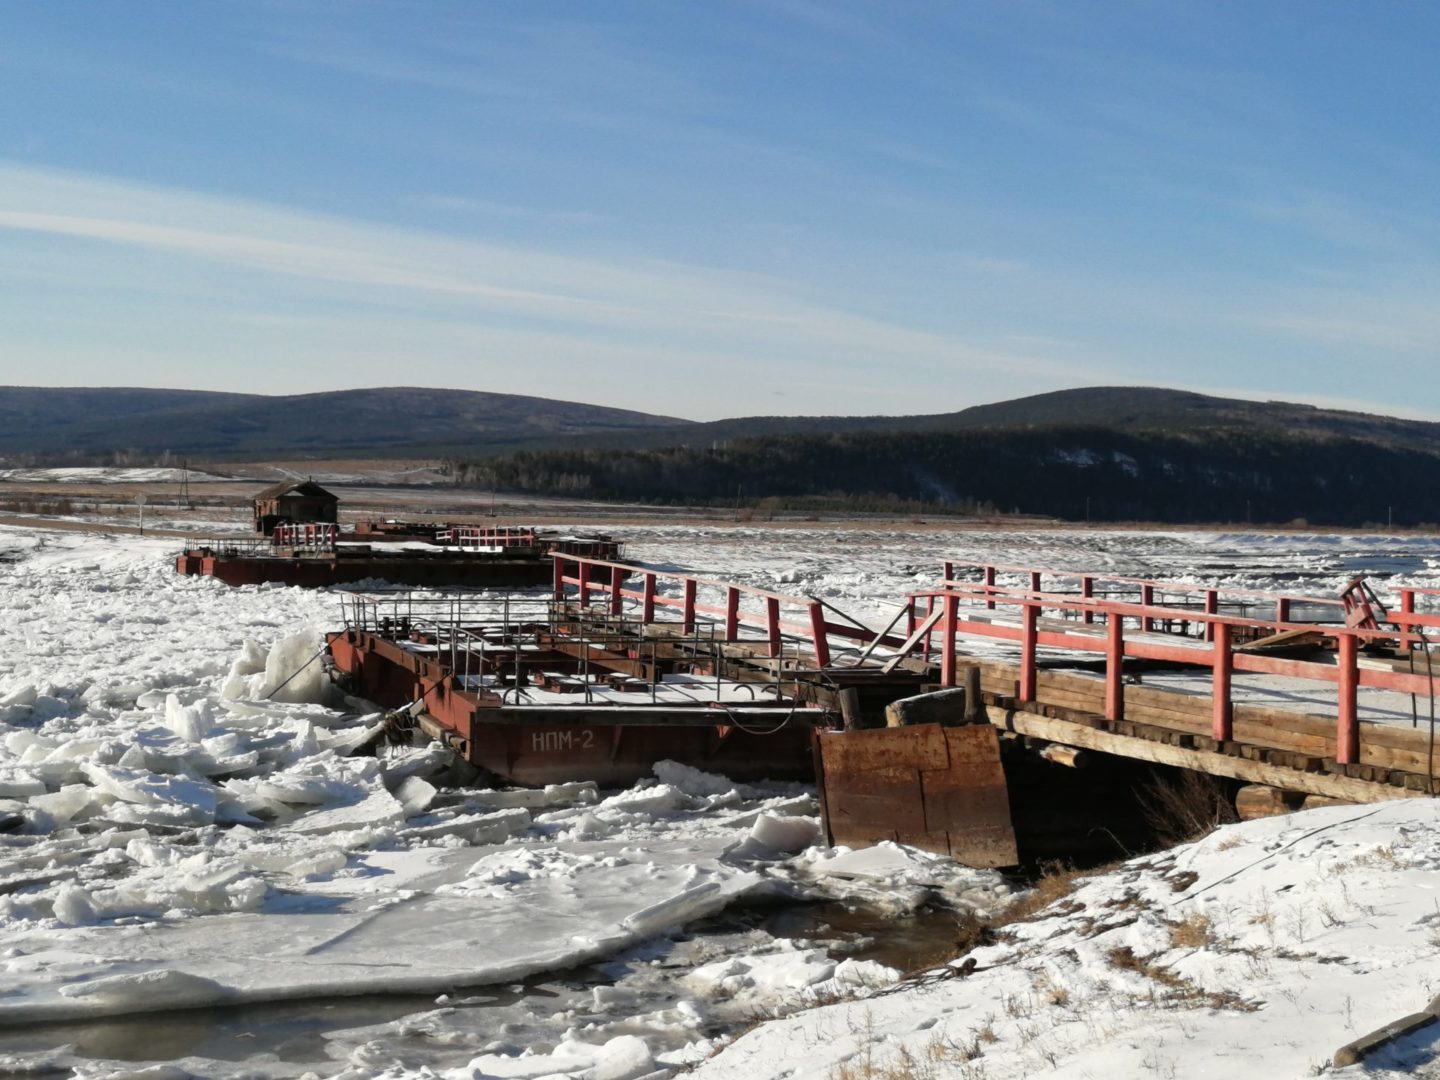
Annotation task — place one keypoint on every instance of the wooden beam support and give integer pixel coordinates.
(1257, 772)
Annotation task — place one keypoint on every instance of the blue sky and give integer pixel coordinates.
(707, 209)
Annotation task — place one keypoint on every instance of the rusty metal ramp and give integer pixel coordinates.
(941, 789)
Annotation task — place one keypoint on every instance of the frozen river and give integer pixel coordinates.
(179, 835)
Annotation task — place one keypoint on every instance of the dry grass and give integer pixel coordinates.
(1055, 883)
(1192, 932)
(1186, 808)
(1178, 991)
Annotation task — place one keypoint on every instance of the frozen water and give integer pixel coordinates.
(177, 809)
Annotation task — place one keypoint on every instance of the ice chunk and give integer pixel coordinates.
(481, 829)
(675, 910)
(19, 784)
(415, 795)
(692, 781)
(298, 864)
(70, 802)
(625, 1057)
(47, 707)
(308, 784)
(534, 798)
(227, 886)
(293, 671)
(785, 833)
(377, 808)
(419, 761)
(20, 743)
(348, 740)
(191, 800)
(74, 907)
(193, 723)
(656, 800)
(576, 791)
(24, 696)
(148, 990)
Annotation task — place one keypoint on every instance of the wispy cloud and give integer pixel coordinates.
(597, 306)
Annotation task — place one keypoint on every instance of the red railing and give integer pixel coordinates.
(775, 615)
(960, 605)
(478, 536)
(310, 534)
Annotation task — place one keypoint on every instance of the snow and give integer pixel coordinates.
(182, 823)
(105, 475)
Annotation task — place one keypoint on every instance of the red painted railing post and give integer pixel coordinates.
(617, 582)
(1035, 581)
(989, 584)
(947, 641)
(930, 634)
(647, 609)
(1212, 607)
(1147, 598)
(1347, 733)
(732, 613)
(688, 610)
(817, 635)
(559, 565)
(1282, 610)
(1087, 592)
(1221, 725)
(949, 572)
(582, 571)
(1407, 608)
(772, 624)
(1114, 666)
(1030, 618)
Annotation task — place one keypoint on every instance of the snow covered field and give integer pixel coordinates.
(181, 833)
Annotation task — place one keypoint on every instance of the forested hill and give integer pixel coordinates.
(1075, 472)
(94, 422)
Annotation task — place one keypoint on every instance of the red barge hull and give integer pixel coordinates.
(535, 752)
(317, 572)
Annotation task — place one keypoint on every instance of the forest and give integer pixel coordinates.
(1075, 473)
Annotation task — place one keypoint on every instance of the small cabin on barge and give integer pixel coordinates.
(293, 502)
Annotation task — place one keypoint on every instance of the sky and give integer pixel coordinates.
(722, 209)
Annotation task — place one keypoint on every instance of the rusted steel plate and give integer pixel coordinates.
(872, 804)
(959, 806)
(919, 747)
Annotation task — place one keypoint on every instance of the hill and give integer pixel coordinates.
(1101, 454)
(93, 422)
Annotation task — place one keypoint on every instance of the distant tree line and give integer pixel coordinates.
(1076, 473)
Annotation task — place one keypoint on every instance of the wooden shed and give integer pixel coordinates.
(293, 502)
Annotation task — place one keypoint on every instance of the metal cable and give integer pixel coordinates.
(293, 674)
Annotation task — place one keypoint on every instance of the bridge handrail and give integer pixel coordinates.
(814, 630)
(1214, 651)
